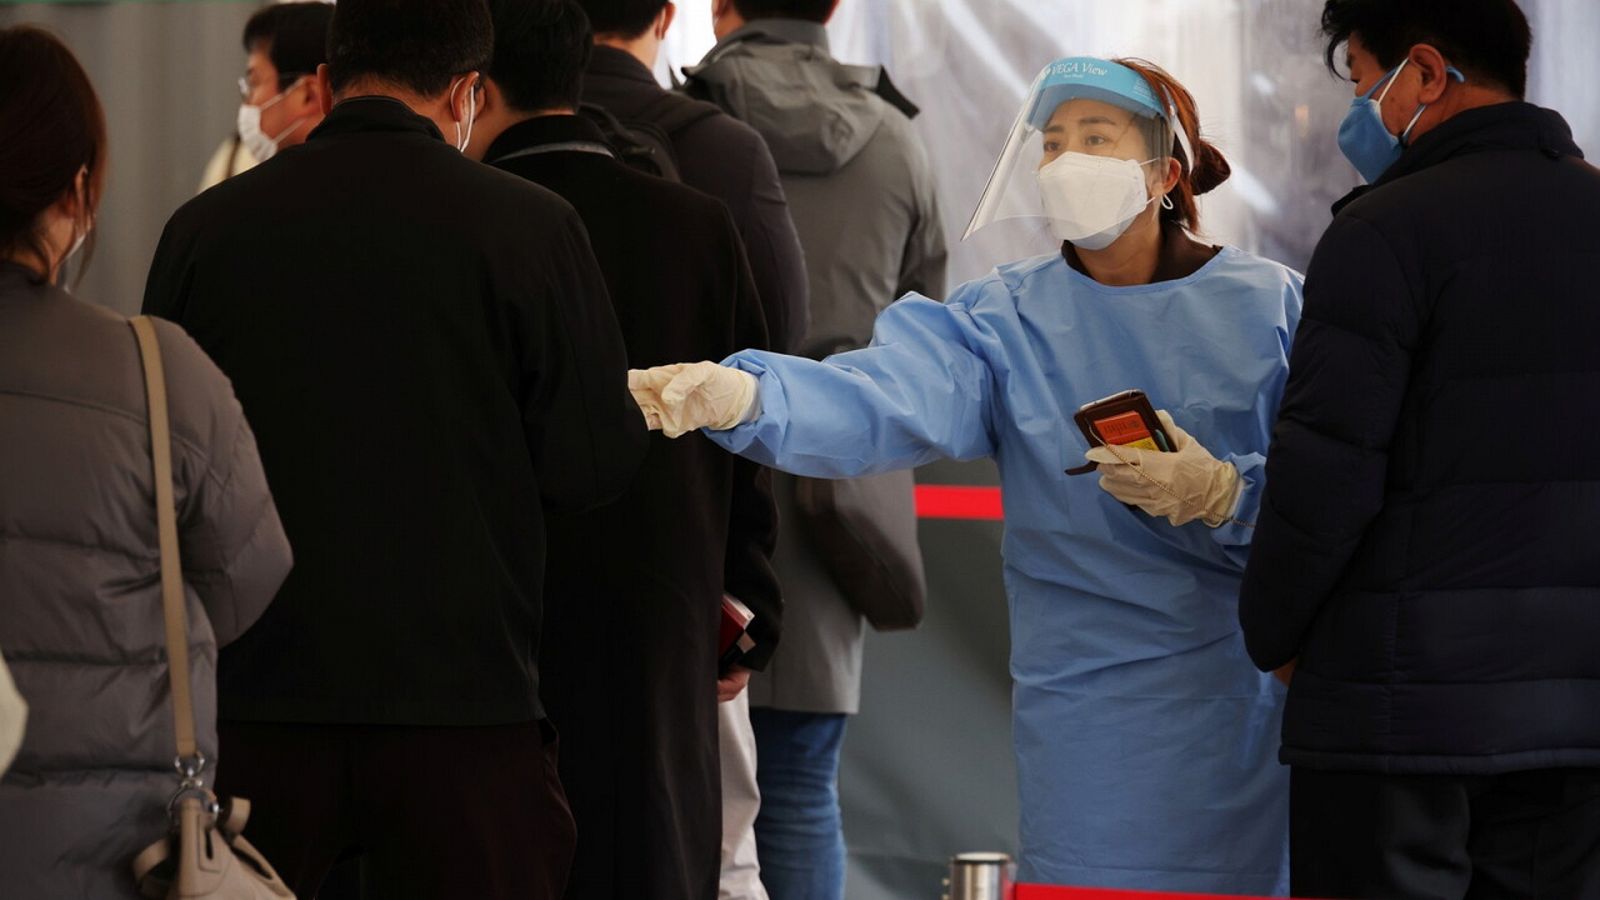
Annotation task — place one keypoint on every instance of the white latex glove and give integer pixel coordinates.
(1186, 484)
(686, 397)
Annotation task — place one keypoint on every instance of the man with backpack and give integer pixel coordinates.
(666, 133)
(629, 664)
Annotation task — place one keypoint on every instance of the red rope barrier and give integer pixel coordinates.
(938, 501)
(1045, 892)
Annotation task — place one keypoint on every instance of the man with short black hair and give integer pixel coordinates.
(1424, 547)
(865, 204)
(280, 100)
(712, 152)
(628, 666)
(426, 351)
(728, 17)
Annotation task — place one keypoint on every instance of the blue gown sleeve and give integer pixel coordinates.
(922, 390)
(1234, 537)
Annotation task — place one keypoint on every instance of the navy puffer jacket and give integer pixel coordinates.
(1427, 543)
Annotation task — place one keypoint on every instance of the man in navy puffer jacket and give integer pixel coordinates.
(1427, 548)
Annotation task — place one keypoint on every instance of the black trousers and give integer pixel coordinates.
(433, 813)
(1529, 834)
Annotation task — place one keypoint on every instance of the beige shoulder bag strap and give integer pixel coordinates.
(172, 602)
(187, 863)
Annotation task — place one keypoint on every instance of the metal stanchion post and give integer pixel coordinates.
(979, 876)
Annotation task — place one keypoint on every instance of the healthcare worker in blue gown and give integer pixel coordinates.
(1145, 739)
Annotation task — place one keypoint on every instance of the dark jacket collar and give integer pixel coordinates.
(609, 62)
(544, 130)
(374, 113)
(1503, 126)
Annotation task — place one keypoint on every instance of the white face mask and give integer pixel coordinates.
(1091, 200)
(463, 139)
(261, 146)
(78, 237)
(77, 243)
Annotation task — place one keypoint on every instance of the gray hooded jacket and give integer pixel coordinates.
(859, 184)
(80, 599)
(864, 203)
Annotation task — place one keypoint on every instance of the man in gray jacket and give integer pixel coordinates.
(862, 195)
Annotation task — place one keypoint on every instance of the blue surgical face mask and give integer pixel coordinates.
(1365, 140)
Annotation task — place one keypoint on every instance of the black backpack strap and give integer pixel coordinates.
(673, 112)
(891, 94)
(600, 116)
(639, 146)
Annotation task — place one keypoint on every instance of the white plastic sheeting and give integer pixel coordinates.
(967, 63)
(1254, 66)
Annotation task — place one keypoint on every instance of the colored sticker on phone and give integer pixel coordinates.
(1126, 430)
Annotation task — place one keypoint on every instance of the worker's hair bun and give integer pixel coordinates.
(1203, 173)
(1211, 168)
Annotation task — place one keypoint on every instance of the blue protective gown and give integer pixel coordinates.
(1145, 739)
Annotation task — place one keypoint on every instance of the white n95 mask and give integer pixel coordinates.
(261, 146)
(1091, 200)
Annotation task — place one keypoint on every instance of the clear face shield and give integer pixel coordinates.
(1089, 153)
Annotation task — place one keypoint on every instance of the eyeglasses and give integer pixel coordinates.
(245, 90)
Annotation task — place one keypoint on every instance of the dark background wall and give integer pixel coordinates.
(166, 74)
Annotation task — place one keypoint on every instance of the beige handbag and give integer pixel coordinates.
(204, 855)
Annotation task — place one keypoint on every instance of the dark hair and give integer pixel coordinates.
(419, 45)
(1489, 39)
(628, 18)
(51, 128)
(1207, 170)
(295, 36)
(541, 48)
(811, 10)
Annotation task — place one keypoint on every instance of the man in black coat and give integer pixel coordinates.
(426, 351)
(633, 589)
(712, 151)
(1426, 543)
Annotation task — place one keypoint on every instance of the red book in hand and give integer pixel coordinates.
(734, 641)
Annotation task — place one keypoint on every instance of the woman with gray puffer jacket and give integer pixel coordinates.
(81, 623)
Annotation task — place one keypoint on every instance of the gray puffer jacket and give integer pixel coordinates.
(80, 599)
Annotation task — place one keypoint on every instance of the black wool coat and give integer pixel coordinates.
(633, 591)
(427, 354)
(1426, 544)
